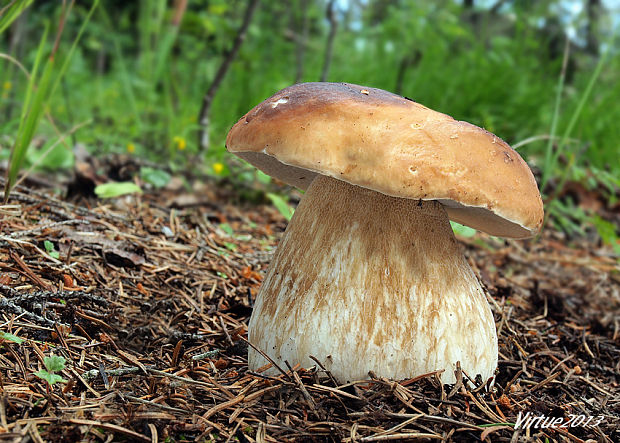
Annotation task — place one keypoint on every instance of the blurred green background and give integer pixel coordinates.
(541, 74)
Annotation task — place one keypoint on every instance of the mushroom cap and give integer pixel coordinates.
(381, 141)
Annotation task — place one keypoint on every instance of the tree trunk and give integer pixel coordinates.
(203, 116)
(301, 42)
(333, 26)
(594, 14)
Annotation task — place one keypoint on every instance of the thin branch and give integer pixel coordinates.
(179, 10)
(203, 117)
(9, 306)
(61, 26)
(16, 63)
(6, 8)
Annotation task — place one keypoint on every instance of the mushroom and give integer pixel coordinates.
(368, 275)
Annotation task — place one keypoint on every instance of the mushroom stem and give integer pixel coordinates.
(367, 282)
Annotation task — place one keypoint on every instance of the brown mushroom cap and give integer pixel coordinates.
(381, 141)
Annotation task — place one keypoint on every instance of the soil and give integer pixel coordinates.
(147, 298)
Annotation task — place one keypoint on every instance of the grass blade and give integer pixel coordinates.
(580, 105)
(281, 205)
(551, 158)
(547, 166)
(10, 13)
(31, 113)
(27, 118)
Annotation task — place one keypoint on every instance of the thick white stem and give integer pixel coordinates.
(367, 282)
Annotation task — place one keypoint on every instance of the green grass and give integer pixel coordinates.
(9, 12)
(151, 91)
(38, 92)
(140, 79)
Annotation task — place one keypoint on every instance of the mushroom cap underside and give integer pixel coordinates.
(393, 145)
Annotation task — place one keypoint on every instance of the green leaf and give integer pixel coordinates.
(52, 379)
(262, 177)
(111, 190)
(281, 205)
(463, 231)
(230, 246)
(54, 363)
(227, 229)
(155, 177)
(10, 337)
(49, 247)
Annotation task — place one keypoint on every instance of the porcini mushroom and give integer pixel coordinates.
(368, 275)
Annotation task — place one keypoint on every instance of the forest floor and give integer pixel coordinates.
(148, 298)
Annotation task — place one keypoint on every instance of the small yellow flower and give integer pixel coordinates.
(7, 85)
(218, 168)
(131, 148)
(180, 143)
